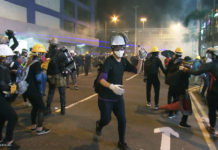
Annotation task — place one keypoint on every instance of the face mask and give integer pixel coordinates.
(43, 58)
(119, 53)
(208, 60)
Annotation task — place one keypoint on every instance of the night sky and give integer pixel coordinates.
(158, 12)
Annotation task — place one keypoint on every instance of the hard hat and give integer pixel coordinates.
(213, 50)
(5, 50)
(38, 48)
(178, 50)
(117, 40)
(187, 62)
(3, 40)
(53, 41)
(154, 49)
(86, 52)
(198, 57)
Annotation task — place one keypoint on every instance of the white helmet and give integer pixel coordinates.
(119, 39)
(213, 50)
(5, 50)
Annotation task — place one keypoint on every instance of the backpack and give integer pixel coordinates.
(149, 66)
(22, 84)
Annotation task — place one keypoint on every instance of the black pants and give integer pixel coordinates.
(206, 84)
(51, 95)
(38, 107)
(118, 108)
(86, 69)
(171, 95)
(153, 80)
(212, 107)
(7, 113)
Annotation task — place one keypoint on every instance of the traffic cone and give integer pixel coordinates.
(173, 106)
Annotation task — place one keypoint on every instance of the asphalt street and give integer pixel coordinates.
(147, 129)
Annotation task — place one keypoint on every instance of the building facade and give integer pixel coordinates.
(72, 21)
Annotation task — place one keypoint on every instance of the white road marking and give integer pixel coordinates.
(131, 77)
(165, 140)
(204, 131)
(88, 98)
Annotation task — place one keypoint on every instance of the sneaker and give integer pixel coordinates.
(184, 125)
(10, 144)
(28, 104)
(148, 104)
(43, 131)
(98, 129)
(76, 88)
(122, 146)
(156, 107)
(171, 116)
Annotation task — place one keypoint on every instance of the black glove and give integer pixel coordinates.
(9, 33)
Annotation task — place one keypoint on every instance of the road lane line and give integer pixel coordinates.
(78, 102)
(204, 131)
(88, 98)
(131, 77)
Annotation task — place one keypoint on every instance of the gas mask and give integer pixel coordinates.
(119, 50)
(119, 53)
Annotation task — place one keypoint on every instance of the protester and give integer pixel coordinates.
(110, 98)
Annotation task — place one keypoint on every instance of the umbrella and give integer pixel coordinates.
(167, 53)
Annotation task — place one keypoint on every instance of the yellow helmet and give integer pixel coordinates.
(178, 50)
(154, 49)
(198, 57)
(38, 48)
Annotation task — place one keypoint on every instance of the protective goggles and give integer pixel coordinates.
(118, 47)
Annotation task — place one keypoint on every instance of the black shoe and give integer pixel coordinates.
(43, 131)
(184, 125)
(122, 146)
(98, 129)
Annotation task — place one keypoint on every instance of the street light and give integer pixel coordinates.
(114, 19)
(143, 20)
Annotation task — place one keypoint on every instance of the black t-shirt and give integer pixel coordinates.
(114, 71)
(34, 69)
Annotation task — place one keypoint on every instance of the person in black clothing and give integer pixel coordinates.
(56, 66)
(34, 92)
(151, 68)
(212, 94)
(179, 83)
(110, 97)
(172, 67)
(7, 113)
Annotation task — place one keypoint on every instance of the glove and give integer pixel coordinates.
(117, 89)
(142, 54)
(13, 88)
